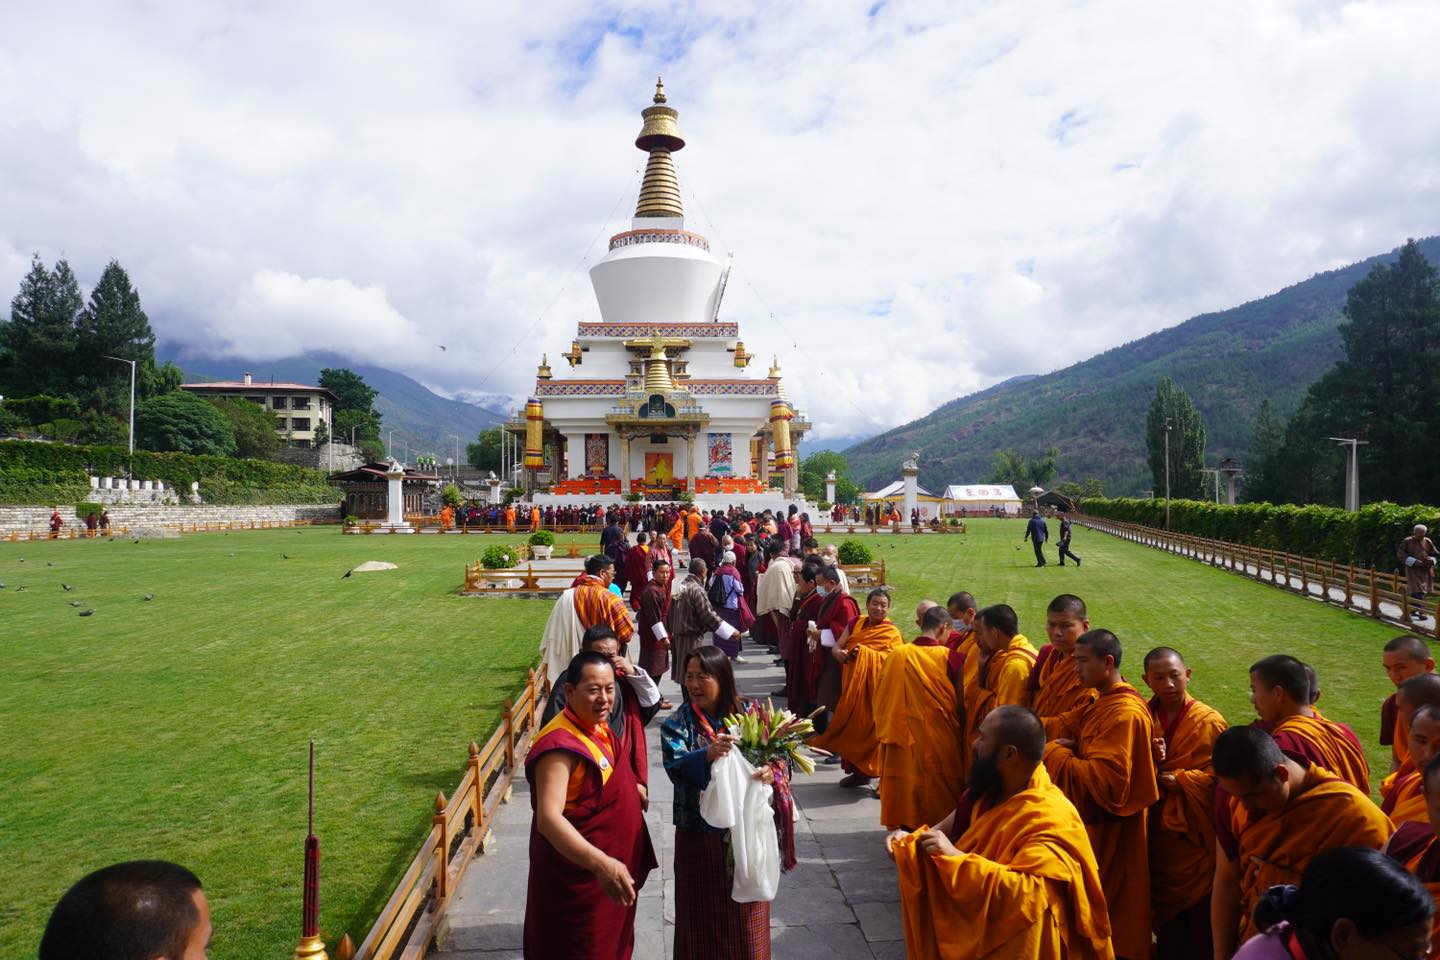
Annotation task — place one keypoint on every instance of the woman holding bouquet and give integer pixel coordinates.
(708, 924)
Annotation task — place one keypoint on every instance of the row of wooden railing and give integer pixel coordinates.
(214, 526)
(1362, 589)
(530, 579)
(896, 527)
(407, 924)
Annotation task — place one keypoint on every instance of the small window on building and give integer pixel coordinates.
(300, 423)
(279, 403)
(299, 403)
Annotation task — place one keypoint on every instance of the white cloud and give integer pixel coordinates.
(929, 199)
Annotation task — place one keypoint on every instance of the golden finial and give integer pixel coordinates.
(659, 137)
(544, 372)
(774, 367)
(742, 359)
(659, 90)
(574, 354)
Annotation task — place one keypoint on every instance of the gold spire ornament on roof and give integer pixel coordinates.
(774, 367)
(660, 137)
(575, 354)
(544, 373)
(742, 359)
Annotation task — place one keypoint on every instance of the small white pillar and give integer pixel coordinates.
(395, 498)
(144, 484)
(94, 483)
(830, 487)
(910, 472)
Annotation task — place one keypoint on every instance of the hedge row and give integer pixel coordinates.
(1368, 538)
(46, 473)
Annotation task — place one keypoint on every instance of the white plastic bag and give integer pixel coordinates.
(736, 802)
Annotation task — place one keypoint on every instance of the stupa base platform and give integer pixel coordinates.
(754, 502)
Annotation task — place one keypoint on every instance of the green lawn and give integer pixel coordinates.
(177, 728)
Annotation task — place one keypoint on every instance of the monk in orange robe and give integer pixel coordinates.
(1403, 797)
(1273, 814)
(963, 661)
(1280, 688)
(1417, 845)
(1002, 664)
(1009, 873)
(1053, 686)
(1103, 758)
(862, 649)
(1404, 657)
(1182, 826)
(919, 730)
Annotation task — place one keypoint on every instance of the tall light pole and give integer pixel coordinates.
(390, 445)
(132, 398)
(457, 455)
(1352, 471)
(1168, 428)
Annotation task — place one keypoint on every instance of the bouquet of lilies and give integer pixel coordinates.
(765, 733)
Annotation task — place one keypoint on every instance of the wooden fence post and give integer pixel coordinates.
(477, 796)
(1374, 596)
(1349, 600)
(442, 868)
(509, 735)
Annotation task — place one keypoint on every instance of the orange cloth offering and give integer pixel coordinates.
(1054, 687)
(851, 733)
(919, 733)
(1024, 887)
(1110, 776)
(1182, 824)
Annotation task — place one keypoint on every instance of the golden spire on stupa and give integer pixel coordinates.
(660, 136)
(657, 368)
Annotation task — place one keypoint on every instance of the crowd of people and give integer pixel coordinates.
(1035, 802)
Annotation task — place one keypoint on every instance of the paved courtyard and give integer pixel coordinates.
(841, 902)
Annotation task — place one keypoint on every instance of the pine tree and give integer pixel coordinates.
(1186, 445)
(38, 345)
(113, 324)
(1263, 474)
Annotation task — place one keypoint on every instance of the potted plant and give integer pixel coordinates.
(542, 542)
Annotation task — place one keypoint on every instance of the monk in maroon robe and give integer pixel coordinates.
(590, 852)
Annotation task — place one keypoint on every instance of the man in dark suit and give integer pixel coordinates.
(1037, 533)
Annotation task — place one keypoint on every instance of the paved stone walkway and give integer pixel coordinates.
(840, 903)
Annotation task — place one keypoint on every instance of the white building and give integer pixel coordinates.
(299, 408)
(656, 398)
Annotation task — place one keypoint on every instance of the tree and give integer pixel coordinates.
(1187, 442)
(184, 423)
(1080, 490)
(354, 411)
(253, 426)
(1012, 467)
(1264, 471)
(816, 467)
(38, 344)
(113, 324)
(484, 453)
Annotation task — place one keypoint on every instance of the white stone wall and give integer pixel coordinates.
(26, 519)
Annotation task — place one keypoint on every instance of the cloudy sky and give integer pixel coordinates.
(922, 198)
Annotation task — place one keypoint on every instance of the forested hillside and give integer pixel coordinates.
(1094, 411)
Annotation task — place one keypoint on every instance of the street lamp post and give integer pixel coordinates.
(457, 455)
(1352, 471)
(132, 398)
(1168, 428)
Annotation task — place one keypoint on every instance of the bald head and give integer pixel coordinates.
(922, 607)
(1018, 727)
(1421, 690)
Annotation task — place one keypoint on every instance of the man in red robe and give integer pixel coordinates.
(836, 613)
(637, 567)
(801, 691)
(590, 851)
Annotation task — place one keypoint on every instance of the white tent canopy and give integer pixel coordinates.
(982, 496)
(895, 489)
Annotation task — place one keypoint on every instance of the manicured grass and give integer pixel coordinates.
(177, 728)
(1221, 622)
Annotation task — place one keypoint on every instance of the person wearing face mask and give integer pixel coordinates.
(1009, 872)
(589, 847)
(837, 613)
(1103, 759)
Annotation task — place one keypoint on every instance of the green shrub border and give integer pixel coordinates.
(1367, 538)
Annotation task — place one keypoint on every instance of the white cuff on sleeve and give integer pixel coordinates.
(658, 629)
(827, 638)
(724, 631)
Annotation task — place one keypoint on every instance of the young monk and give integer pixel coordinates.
(1102, 758)
(1404, 657)
(1010, 871)
(962, 609)
(589, 848)
(862, 650)
(1402, 793)
(1280, 689)
(963, 662)
(1273, 814)
(1417, 844)
(1007, 658)
(919, 730)
(1181, 826)
(1053, 686)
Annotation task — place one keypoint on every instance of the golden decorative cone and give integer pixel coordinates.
(660, 137)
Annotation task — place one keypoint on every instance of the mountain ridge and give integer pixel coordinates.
(1094, 411)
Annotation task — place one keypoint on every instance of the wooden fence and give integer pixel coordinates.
(528, 579)
(832, 527)
(75, 532)
(407, 924)
(1371, 592)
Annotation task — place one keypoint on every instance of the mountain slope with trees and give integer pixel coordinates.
(1094, 412)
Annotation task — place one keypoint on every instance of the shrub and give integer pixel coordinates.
(1367, 538)
(450, 495)
(499, 557)
(854, 552)
(634, 496)
(824, 506)
(542, 538)
(83, 509)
